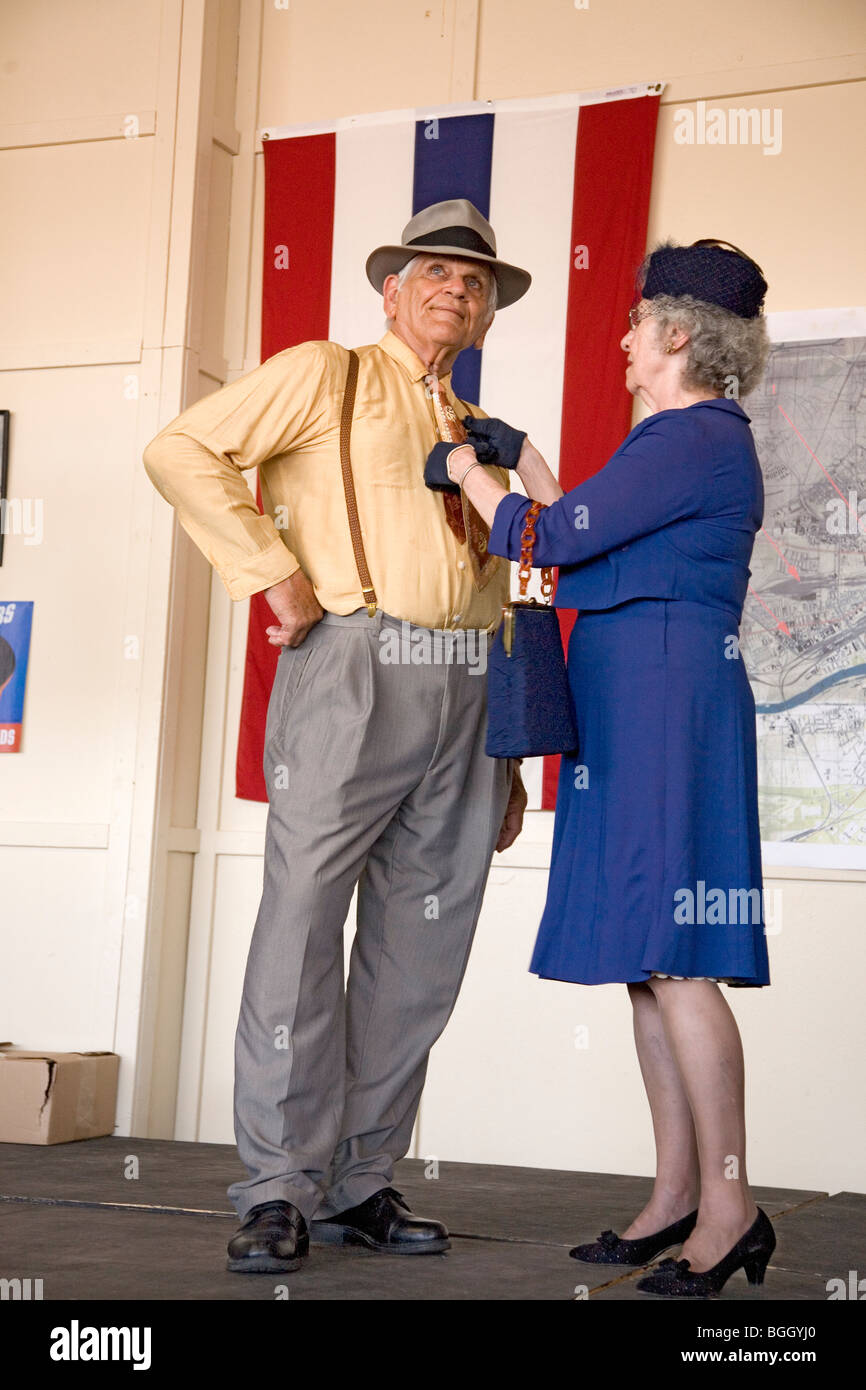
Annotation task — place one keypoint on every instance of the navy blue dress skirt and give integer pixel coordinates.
(656, 864)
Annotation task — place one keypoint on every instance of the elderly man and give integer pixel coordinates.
(375, 767)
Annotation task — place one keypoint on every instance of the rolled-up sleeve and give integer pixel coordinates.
(655, 478)
(197, 464)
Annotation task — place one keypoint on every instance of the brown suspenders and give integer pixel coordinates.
(349, 485)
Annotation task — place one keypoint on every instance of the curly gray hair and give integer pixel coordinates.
(725, 354)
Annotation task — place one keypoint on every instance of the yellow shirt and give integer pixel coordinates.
(284, 418)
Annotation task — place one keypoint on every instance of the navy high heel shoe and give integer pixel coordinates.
(752, 1252)
(611, 1249)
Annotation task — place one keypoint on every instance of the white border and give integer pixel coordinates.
(816, 325)
(804, 855)
(463, 108)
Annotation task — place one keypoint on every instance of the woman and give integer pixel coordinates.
(656, 868)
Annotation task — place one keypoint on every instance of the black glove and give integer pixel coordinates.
(494, 441)
(436, 467)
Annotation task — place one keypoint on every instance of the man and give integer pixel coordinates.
(376, 770)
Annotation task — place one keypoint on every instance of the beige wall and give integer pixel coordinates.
(130, 279)
(117, 142)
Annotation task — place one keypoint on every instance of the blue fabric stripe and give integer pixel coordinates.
(453, 158)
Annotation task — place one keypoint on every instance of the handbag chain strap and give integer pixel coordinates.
(349, 485)
(527, 542)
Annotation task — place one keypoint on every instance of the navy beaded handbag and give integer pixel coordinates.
(529, 704)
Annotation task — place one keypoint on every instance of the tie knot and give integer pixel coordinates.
(433, 384)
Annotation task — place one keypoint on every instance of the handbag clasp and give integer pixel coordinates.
(508, 628)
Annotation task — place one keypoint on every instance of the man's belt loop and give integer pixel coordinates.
(349, 485)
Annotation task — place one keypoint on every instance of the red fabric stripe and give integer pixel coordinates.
(612, 178)
(296, 308)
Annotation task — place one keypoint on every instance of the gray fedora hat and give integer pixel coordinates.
(453, 228)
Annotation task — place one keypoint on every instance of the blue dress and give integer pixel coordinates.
(656, 862)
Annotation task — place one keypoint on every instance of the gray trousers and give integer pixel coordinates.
(376, 776)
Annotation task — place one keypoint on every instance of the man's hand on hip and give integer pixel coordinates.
(512, 823)
(294, 602)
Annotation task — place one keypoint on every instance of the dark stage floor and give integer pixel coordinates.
(72, 1219)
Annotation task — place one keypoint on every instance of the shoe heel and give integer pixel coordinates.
(756, 1265)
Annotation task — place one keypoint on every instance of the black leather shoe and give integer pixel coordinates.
(271, 1239)
(383, 1222)
(611, 1249)
(752, 1252)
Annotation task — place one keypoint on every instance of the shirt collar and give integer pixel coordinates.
(408, 359)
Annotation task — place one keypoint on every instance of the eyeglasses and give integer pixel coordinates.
(636, 315)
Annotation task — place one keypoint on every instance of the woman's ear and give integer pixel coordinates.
(678, 338)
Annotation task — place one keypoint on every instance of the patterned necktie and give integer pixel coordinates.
(460, 514)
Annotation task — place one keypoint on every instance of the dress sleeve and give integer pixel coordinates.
(659, 475)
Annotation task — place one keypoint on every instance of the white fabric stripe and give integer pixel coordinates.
(531, 195)
(372, 204)
(504, 106)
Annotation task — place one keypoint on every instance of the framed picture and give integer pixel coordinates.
(4, 474)
(16, 622)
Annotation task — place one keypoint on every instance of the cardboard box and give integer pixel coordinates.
(53, 1097)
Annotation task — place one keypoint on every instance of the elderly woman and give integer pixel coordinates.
(655, 876)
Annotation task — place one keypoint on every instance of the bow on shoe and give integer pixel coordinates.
(608, 1239)
(679, 1268)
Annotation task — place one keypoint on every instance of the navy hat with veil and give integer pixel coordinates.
(712, 271)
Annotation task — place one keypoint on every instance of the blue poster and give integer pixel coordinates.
(16, 620)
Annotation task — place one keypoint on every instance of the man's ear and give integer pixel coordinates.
(389, 295)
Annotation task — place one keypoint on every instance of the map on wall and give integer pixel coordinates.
(803, 632)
